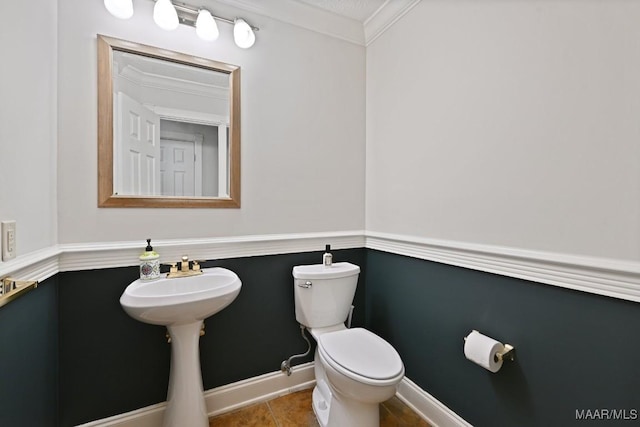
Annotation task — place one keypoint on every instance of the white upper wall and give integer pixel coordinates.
(28, 122)
(510, 123)
(303, 130)
(491, 122)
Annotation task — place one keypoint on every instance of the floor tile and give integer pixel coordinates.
(404, 414)
(294, 410)
(387, 419)
(252, 416)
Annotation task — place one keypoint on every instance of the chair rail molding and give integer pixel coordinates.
(608, 277)
(37, 265)
(601, 276)
(87, 256)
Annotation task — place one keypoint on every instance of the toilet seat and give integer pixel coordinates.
(361, 355)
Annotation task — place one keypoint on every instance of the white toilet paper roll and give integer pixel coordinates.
(482, 350)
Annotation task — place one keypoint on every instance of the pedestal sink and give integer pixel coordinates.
(181, 304)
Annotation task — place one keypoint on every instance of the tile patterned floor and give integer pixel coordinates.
(294, 410)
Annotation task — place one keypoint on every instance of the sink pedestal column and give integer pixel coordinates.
(185, 398)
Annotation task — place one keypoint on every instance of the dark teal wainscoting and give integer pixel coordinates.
(574, 350)
(111, 363)
(29, 358)
(71, 355)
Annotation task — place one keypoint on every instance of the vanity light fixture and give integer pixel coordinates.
(165, 15)
(168, 15)
(243, 34)
(122, 9)
(206, 26)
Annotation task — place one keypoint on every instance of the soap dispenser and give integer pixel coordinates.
(327, 258)
(149, 263)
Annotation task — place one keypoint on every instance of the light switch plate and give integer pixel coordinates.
(8, 240)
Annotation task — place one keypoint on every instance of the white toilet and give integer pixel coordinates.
(355, 369)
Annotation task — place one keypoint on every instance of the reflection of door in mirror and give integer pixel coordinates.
(137, 147)
(178, 166)
(171, 124)
(189, 159)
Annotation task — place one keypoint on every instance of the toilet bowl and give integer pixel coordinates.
(355, 369)
(361, 370)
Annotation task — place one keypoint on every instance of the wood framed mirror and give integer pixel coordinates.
(168, 128)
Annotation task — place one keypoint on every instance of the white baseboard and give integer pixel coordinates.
(427, 406)
(222, 399)
(269, 386)
(258, 389)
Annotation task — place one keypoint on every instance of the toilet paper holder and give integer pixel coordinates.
(508, 353)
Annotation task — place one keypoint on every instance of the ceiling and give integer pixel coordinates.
(360, 10)
(355, 21)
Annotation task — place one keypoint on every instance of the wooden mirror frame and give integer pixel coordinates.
(106, 196)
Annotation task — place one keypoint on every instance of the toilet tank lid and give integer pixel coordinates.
(319, 271)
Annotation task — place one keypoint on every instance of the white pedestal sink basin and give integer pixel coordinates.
(181, 304)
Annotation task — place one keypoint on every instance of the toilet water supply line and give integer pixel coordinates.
(285, 366)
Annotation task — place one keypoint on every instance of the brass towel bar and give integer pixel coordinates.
(10, 289)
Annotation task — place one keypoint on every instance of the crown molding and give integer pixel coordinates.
(172, 84)
(326, 22)
(387, 15)
(304, 16)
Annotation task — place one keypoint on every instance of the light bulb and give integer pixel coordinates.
(243, 34)
(165, 15)
(122, 9)
(206, 26)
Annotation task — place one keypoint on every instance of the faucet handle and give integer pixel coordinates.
(184, 268)
(184, 264)
(173, 267)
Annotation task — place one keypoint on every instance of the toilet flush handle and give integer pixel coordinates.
(306, 284)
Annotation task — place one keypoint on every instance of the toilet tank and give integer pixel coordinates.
(323, 295)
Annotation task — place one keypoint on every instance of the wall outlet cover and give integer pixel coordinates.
(8, 240)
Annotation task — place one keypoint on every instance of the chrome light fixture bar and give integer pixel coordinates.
(168, 15)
